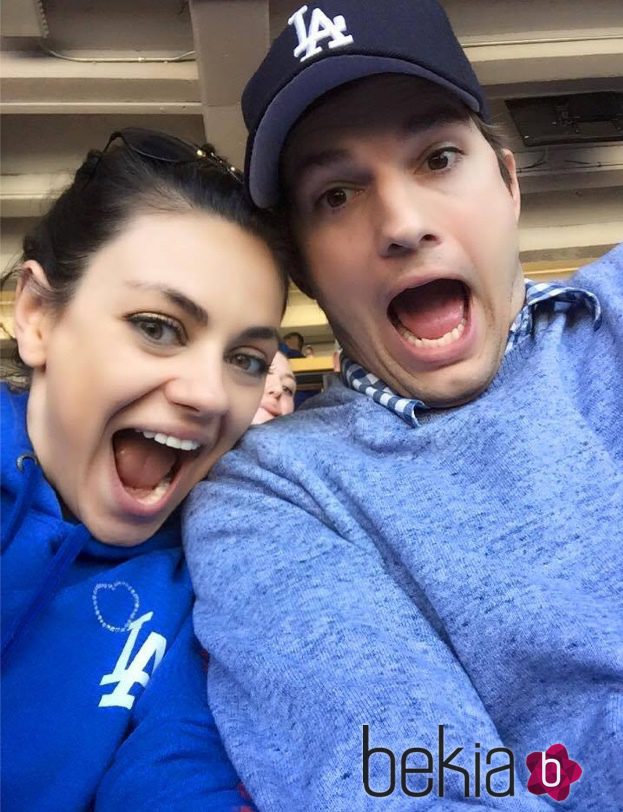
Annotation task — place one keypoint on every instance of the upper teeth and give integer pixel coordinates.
(168, 439)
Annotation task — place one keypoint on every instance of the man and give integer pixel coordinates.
(435, 618)
(294, 342)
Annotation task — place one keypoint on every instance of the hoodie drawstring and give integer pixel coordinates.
(23, 502)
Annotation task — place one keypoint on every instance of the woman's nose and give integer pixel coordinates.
(273, 386)
(200, 389)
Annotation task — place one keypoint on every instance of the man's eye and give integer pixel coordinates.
(251, 364)
(442, 159)
(288, 391)
(336, 198)
(158, 329)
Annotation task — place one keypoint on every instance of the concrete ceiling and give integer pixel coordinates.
(74, 70)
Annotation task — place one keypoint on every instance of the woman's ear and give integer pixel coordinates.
(32, 314)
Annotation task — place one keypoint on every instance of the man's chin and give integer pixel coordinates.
(448, 387)
(458, 393)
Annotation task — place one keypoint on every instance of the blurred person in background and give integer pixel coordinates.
(294, 343)
(279, 391)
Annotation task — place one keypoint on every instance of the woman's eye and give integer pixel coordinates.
(251, 364)
(158, 329)
(442, 159)
(288, 391)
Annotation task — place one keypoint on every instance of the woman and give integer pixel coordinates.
(145, 317)
(279, 391)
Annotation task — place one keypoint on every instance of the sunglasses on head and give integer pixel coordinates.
(157, 146)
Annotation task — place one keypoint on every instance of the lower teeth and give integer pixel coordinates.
(448, 338)
(152, 495)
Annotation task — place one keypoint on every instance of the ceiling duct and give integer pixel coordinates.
(580, 118)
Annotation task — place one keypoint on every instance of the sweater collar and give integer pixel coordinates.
(539, 295)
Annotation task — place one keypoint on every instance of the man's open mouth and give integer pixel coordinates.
(147, 462)
(431, 315)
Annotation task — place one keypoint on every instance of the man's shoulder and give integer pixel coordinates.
(297, 440)
(604, 276)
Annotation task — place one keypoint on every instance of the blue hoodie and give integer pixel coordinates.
(103, 684)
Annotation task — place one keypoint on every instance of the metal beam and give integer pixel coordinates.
(23, 18)
(231, 38)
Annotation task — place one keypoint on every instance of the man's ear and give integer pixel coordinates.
(32, 314)
(511, 166)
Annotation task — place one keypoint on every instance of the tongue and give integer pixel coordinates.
(432, 310)
(141, 463)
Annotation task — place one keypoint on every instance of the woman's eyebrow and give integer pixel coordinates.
(198, 313)
(178, 298)
(261, 333)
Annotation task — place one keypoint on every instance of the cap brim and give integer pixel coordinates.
(295, 97)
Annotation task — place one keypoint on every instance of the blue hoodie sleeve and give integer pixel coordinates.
(173, 757)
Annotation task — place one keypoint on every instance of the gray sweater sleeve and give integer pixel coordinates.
(318, 657)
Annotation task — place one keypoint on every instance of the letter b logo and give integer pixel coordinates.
(367, 752)
(551, 777)
(552, 772)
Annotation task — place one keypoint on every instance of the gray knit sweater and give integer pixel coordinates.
(365, 584)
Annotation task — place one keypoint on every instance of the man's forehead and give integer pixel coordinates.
(390, 102)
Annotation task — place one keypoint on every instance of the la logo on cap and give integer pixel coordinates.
(320, 27)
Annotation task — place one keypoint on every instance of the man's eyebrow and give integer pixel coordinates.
(430, 119)
(318, 160)
(419, 122)
(178, 298)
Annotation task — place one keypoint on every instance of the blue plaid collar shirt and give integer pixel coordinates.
(560, 299)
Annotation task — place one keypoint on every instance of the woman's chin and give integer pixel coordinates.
(262, 416)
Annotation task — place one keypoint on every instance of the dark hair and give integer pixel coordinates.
(109, 189)
(299, 338)
(497, 139)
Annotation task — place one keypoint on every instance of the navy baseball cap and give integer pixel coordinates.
(331, 42)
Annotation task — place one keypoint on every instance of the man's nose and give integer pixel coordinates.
(403, 216)
(200, 387)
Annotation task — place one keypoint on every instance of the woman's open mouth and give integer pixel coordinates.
(148, 463)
